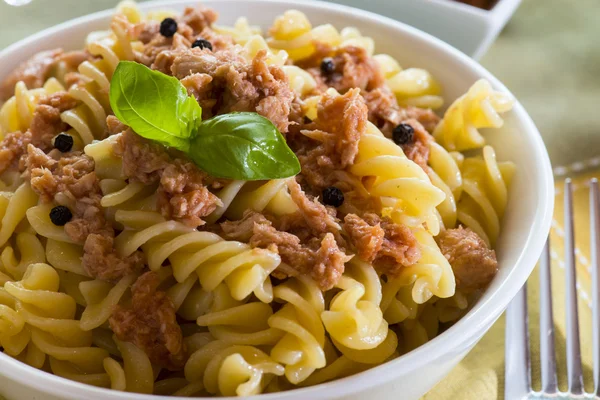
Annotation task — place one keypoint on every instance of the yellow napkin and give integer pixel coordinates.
(481, 374)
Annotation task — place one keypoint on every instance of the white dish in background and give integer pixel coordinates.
(525, 225)
(470, 29)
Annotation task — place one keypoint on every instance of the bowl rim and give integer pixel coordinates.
(464, 331)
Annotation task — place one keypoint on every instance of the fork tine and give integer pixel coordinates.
(517, 374)
(547, 351)
(595, 245)
(574, 369)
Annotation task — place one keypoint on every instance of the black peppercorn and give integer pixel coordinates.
(60, 215)
(327, 66)
(63, 142)
(168, 27)
(333, 196)
(202, 43)
(403, 134)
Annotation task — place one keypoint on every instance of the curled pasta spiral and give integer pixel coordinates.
(301, 348)
(231, 370)
(485, 194)
(43, 324)
(13, 208)
(431, 276)
(412, 86)
(239, 322)
(403, 186)
(294, 33)
(131, 11)
(353, 318)
(272, 197)
(214, 260)
(241, 31)
(256, 43)
(16, 113)
(479, 108)
(445, 174)
(88, 120)
(29, 250)
(106, 164)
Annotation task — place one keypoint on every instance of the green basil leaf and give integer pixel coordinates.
(156, 106)
(243, 146)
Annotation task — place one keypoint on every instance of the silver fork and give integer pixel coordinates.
(517, 356)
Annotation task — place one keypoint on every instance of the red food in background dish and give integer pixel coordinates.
(485, 4)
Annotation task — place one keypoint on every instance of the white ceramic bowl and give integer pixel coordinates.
(525, 226)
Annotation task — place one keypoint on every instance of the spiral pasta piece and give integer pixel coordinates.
(412, 86)
(301, 348)
(88, 120)
(16, 258)
(272, 197)
(241, 31)
(214, 260)
(17, 112)
(445, 175)
(13, 208)
(354, 318)
(294, 33)
(239, 322)
(431, 276)
(45, 317)
(479, 108)
(485, 194)
(231, 370)
(403, 186)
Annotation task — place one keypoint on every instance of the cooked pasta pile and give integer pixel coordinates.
(139, 263)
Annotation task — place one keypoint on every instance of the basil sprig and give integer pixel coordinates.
(156, 106)
(243, 146)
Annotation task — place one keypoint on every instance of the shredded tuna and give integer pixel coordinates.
(418, 149)
(324, 264)
(72, 173)
(114, 126)
(33, 72)
(340, 123)
(198, 18)
(100, 259)
(318, 218)
(236, 84)
(194, 23)
(366, 238)
(242, 230)
(386, 114)
(199, 86)
(320, 258)
(12, 149)
(88, 219)
(150, 323)
(183, 194)
(329, 263)
(218, 42)
(473, 263)
(143, 160)
(388, 245)
(72, 182)
(72, 59)
(353, 69)
(46, 122)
